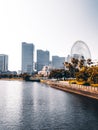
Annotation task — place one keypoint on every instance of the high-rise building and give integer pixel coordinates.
(3, 62)
(42, 59)
(27, 57)
(58, 62)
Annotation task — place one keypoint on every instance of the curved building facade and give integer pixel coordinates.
(80, 50)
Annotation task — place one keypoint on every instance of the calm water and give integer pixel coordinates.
(35, 106)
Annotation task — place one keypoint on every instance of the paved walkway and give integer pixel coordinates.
(88, 91)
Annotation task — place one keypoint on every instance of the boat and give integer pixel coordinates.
(32, 79)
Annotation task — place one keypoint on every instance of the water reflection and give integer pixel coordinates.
(35, 106)
(11, 103)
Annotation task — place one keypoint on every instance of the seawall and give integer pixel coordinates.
(87, 91)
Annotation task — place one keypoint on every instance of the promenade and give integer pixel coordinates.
(87, 91)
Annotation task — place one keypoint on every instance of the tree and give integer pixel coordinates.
(89, 61)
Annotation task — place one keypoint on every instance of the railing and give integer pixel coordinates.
(79, 87)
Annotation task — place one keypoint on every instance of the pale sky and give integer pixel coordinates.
(53, 25)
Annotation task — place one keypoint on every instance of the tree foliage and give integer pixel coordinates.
(59, 73)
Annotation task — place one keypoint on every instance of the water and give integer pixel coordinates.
(35, 106)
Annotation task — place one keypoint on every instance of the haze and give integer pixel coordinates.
(52, 25)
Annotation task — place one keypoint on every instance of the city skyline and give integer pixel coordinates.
(28, 65)
(53, 25)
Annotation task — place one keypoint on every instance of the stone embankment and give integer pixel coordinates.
(87, 91)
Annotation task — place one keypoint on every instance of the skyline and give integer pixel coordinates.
(53, 25)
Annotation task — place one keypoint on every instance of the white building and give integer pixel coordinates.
(68, 59)
(45, 71)
(3, 62)
(27, 57)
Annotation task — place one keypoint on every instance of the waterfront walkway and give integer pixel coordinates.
(88, 91)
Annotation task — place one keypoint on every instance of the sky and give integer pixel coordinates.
(53, 25)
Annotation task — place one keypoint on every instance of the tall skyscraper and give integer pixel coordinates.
(42, 59)
(27, 57)
(3, 62)
(57, 62)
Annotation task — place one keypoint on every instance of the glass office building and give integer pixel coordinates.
(3, 62)
(42, 59)
(58, 62)
(27, 57)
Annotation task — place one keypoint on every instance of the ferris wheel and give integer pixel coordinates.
(80, 48)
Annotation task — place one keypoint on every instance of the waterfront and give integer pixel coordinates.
(88, 91)
(36, 106)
